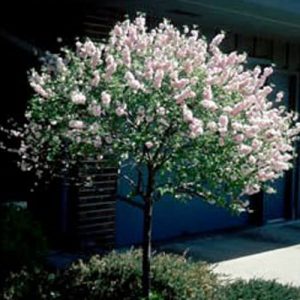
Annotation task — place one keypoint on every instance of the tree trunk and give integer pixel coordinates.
(148, 208)
(147, 247)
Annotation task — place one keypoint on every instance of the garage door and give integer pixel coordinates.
(274, 205)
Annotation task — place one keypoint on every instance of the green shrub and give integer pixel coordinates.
(175, 277)
(22, 242)
(118, 276)
(258, 289)
(36, 284)
(114, 276)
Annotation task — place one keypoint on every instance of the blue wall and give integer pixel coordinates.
(172, 219)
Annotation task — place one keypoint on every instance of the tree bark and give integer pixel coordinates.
(147, 247)
(148, 209)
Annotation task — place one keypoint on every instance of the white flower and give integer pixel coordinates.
(76, 124)
(95, 110)
(105, 98)
(78, 98)
(161, 111)
(149, 144)
(212, 126)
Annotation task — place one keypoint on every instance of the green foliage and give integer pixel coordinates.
(175, 277)
(258, 289)
(35, 284)
(117, 276)
(21, 240)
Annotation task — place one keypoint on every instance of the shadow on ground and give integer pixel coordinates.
(217, 248)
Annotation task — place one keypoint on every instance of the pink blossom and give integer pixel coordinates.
(158, 77)
(97, 141)
(199, 82)
(223, 131)
(131, 81)
(210, 105)
(196, 127)
(239, 138)
(264, 175)
(207, 93)
(161, 111)
(256, 144)
(89, 48)
(212, 126)
(252, 189)
(217, 40)
(279, 96)
(227, 109)
(95, 110)
(105, 99)
(237, 126)
(280, 165)
(121, 110)
(187, 115)
(118, 30)
(238, 108)
(78, 98)
(76, 124)
(126, 57)
(251, 131)
(252, 160)
(181, 83)
(96, 79)
(185, 94)
(39, 90)
(244, 149)
(110, 70)
(223, 121)
(111, 67)
(149, 145)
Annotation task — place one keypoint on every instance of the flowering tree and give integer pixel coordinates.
(189, 118)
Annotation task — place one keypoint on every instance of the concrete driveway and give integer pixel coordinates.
(269, 252)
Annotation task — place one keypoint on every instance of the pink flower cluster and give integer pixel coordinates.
(161, 80)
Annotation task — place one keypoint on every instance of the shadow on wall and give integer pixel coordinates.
(173, 219)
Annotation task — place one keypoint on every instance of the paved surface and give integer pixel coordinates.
(269, 252)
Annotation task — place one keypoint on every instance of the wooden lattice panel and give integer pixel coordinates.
(96, 205)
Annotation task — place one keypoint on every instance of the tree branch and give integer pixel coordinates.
(129, 180)
(131, 202)
(191, 192)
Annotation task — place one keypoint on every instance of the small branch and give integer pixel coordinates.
(139, 186)
(131, 202)
(191, 192)
(129, 180)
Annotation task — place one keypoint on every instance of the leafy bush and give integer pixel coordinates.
(22, 242)
(258, 289)
(175, 277)
(35, 284)
(117, 276)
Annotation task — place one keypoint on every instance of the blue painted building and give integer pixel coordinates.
(268, 30)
